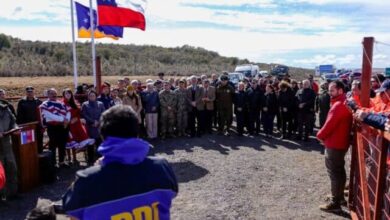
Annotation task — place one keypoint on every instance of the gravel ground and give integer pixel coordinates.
(228, 178)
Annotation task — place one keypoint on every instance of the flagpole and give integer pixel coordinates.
(75, 75)
(92, 42)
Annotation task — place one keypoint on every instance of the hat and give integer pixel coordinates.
(130, 88)
(160, 74)
(29, 88)
(385, 86)
(224, 77)
(182, 81)
(149, 81)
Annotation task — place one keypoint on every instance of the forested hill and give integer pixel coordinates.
(28, 58)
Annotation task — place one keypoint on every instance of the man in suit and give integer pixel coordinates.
(208, 99)
(194, 96)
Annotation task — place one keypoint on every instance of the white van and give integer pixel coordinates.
(248, 70)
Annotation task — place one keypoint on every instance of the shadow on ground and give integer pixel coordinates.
(187, 171)
(225, 144)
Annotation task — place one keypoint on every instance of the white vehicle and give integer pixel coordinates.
(236, 77)
(248, 70)
(263, 73)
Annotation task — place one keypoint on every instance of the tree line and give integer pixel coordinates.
(36, 58)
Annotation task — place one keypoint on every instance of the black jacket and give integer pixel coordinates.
(287, 99)
(308, 97)
(323, 102)
(240, 102)
(28, 110)
(254, 99)
(270, 101)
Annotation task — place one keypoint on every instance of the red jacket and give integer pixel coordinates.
(2, 176)
(337, 128)
(315, 87)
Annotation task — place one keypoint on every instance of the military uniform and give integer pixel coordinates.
(7, 158)
(168, 103)
(182, 111)
(225, 96)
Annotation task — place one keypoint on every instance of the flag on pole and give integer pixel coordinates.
(128, 13)
(84, 25)
(27, 137)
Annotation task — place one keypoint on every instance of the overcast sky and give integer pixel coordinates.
(301, 33)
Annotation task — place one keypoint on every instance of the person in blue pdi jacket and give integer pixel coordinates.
(126, 183)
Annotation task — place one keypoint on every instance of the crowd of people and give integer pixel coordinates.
(192, 107)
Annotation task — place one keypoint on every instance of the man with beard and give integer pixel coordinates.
(335, 137)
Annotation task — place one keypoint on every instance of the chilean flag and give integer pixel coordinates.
(130, 15)
(27, 137)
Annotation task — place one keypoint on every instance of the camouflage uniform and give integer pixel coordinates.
(167, 99)
(182, 111)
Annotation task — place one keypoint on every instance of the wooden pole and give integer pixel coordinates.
(98, 76)
(368, 45)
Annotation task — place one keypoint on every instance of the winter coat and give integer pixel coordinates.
(126, 180)
(107, 101)
(91, 112)
(240, 102)
(224, 96)
(308, 97)
(322, 105)
(150, 101)
(28, 110)
(336, 131)
(254, 99)
(271, 103)
(286, 101)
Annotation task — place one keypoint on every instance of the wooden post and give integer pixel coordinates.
(368, 45)
(98, 75)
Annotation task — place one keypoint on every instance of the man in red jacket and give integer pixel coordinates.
(335, 135)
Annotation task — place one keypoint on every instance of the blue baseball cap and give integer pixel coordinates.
(385, 86)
